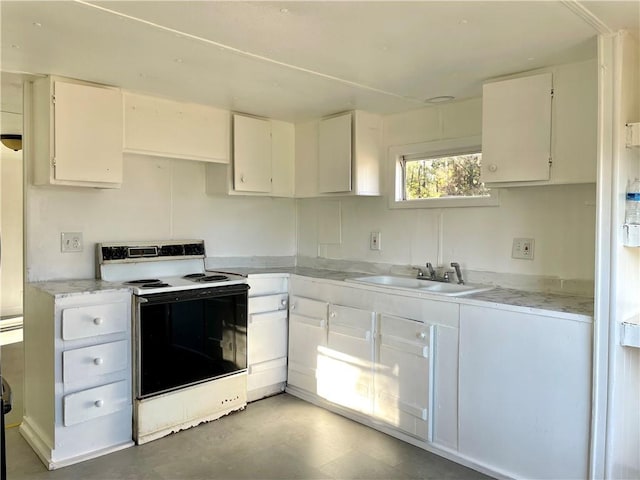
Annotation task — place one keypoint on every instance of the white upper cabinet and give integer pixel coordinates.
(77, 133)
(516, 129)
(531, 136)
(348, 154)
(263, 160)
(251, 154)
(166, 128)
(335, 154)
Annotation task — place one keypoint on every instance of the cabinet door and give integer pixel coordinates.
(307, 334)
(525, 392)
(516, 129)
(335, 154)
(345, 367)
(166, 128)
(403, 375)
(87, 133)
(251, 154)
(266, 336)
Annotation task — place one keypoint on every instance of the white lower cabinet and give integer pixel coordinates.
(307, 334)
(267, 336)
(346, 365)
(505, 391)
(77, 392)
(404, 377)
(364, 351)
(525, 393)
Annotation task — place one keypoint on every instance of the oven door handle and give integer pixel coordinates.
(142, 300)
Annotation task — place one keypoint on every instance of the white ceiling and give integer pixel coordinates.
(299, 60)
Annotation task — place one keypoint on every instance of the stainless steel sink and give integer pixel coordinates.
(419, 285)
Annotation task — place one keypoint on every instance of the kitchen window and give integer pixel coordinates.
(440, 174)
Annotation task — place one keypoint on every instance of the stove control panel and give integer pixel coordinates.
(112, 252)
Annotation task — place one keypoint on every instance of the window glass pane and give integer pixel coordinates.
(454, 176)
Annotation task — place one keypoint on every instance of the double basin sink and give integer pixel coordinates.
(420, 285)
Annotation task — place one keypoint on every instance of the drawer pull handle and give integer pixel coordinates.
(98, 321)
(98, 361)
(283, 302)
(421, 335)
(293, 307)
(99, 403)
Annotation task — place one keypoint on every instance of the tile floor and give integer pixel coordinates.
(280, 437)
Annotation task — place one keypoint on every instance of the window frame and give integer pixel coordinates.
(434, 149)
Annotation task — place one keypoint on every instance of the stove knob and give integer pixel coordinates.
(99, 403)
(98, 321)
(98, 361)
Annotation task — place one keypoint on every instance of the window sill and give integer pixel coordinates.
(492, 200)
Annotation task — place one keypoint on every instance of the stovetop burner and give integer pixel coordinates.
(212, 278)
(155, 285)
(143, 281)
(193, 276)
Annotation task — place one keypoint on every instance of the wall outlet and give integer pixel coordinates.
(71, 241)
(374, 241)
(522, 248)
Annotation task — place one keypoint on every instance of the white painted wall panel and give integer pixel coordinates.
(159, 199)
(561, 219)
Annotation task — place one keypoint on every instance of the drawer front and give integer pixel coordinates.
(267, 336)
(96, 402)
(405, 330)
(308, 307)
(268, 303)
(349, 318)
(267, 286)
(93, 320)
(84, 363)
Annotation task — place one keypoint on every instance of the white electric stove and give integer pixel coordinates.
(189, 333)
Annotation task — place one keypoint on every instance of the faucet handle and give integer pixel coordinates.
(420, 273)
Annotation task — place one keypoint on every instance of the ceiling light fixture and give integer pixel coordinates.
(12, 141)
(440, 99)
(284, 11)
(37, 24)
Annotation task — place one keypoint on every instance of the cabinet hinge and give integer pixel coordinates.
(53, 162)
(552, 92)
(53, 99)
(550, 161)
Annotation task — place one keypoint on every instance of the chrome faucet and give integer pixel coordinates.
(456, 266)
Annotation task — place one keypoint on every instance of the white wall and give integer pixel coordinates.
(159, 199)
(11, 226)
(560, 218)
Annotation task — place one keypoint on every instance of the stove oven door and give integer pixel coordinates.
(188, 337)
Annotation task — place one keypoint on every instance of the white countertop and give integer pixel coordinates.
(565, 306)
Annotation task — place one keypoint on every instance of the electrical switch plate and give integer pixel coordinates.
(374, 241)
(71, 241)
(522, 248)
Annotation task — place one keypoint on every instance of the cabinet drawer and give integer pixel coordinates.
(267, 286)
(96, 402)
(83, 363)
(351, 321)
(268, 303)
(308, 307)
(267, 336)
(92, 320)
(404, 330)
